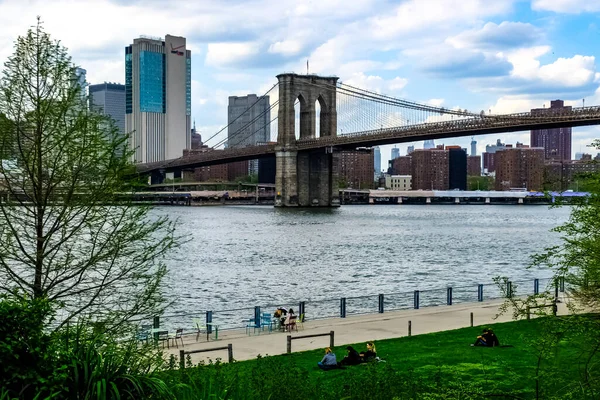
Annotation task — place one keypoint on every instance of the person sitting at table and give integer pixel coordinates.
(370, 354)
(353, 358)
(329, 361)
(290, 314)
(280, 315)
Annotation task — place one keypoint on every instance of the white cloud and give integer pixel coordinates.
(286, 47)
(376, 83)
(224, 54)
(566, 6)
(569, 72)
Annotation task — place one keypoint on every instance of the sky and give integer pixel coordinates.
(503, 56)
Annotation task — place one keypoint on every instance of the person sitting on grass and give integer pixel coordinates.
(353, 358)
(487, 339)
(329, 361)
(370, 354)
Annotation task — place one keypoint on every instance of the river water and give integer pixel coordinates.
(241, 256)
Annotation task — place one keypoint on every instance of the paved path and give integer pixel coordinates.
(353, 329)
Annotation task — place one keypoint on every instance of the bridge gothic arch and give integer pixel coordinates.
(307, 90)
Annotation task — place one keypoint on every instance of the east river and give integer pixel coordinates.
(241, 256)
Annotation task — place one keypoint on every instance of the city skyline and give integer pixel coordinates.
(505, 57)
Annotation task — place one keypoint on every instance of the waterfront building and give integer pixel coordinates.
(520, 168)
(109, 99)
(267, 169)
(395, 153)
(556, 142)
(401, 165)
(398, 182)
(377, 160)
(457, 168)
(356, 168)
(158, 97)
(430, 169)
(563, 175)
(474, 166)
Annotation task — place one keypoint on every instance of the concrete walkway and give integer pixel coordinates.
(353, 329)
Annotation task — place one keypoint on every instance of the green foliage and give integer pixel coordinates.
(480, 183)
(27, 361)
(97, 367)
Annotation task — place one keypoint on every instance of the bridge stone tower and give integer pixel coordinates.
(306, 178)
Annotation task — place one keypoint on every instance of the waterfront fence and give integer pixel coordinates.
(238, 318)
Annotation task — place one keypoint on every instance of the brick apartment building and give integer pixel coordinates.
(520, 168)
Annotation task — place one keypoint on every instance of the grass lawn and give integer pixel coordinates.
(442, 365)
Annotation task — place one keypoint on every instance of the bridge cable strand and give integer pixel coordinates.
(239, 116)
(250, 134)
(240, 131)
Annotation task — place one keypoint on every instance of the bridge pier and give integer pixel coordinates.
(306, 178)
(286, 178)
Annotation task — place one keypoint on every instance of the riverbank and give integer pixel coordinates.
(354, 329)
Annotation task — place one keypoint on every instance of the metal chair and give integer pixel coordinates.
(163, 336)
(143, 333)
(266, 321)
(251, 323)
(200, 326)
(178, 335)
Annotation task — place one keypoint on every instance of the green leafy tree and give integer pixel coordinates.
(68, 232)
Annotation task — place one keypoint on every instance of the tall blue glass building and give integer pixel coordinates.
(158, 98)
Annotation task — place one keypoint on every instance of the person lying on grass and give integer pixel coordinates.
(488, 339)
(329, 361)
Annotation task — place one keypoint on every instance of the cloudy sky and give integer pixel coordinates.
(499, 55)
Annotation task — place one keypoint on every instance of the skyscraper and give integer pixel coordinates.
(473, 147)
(80, 78)
(109, 99)
(248, 123)
(556, 141)
(457, 168)
(377, 160)
(158, 97)
(248, 120)
(429, 144)
(410, 149)
(395, 153)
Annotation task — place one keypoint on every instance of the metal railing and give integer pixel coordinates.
(239, 318)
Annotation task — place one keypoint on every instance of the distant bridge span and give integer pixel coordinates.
(483, 125)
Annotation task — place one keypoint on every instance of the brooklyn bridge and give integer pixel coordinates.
(317, 116)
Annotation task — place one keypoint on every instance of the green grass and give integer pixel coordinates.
(436, 365)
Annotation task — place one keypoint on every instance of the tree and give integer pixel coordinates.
(68, 231)
(577, 259)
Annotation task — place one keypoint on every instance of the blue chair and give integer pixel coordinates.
(266, 321)
(143, 333)
(252, 324)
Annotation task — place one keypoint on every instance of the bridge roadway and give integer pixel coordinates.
(481, 125)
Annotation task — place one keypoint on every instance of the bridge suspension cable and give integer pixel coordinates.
(239, 134)
(240, 116)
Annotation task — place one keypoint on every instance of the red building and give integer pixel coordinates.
(430, 169)
(556, 142)
(520, 168)
(356, 169)
(474, 165)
